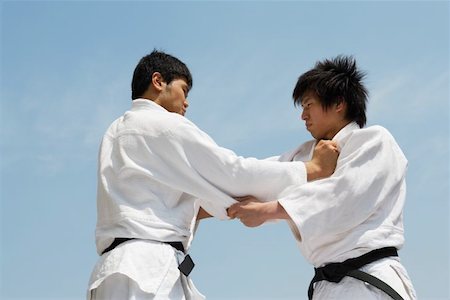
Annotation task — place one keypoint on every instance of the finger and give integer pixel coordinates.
(233, 210)
(231, 213)
(336, 147)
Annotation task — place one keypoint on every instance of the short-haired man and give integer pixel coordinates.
(154, 166)
(350, 225)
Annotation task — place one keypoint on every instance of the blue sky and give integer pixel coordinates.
(65, 76)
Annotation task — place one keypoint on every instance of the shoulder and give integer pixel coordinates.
(179, 125)
(378, 129)
(114, 128)
(373, 137)
(185, 131)
(375, 133)
(157, 123)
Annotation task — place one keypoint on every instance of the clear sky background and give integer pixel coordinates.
(66, 69)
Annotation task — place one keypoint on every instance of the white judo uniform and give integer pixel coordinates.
(154, 166)
(356, 210)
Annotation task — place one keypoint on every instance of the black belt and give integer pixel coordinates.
(186, 265)
(335, 272)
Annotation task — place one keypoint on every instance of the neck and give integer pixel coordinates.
(336, 129)
(150, 95)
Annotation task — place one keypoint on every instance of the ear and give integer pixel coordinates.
(341, 106)
(157, 81)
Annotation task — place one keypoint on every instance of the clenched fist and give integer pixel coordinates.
(323, 162)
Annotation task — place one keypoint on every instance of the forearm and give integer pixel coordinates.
(273, 211)
(312, 171)
(253, 213)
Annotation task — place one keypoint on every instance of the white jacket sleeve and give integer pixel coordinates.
(369, 173)
(212, 173)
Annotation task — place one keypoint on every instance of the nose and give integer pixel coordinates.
(303, 115)
(186, 103)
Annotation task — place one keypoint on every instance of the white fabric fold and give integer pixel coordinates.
(156, 169)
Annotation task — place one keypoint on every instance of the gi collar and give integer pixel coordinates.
(342, 136)
(139, 104)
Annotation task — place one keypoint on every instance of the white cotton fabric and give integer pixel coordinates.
(153, 167)
(140, 269)
(356, 210)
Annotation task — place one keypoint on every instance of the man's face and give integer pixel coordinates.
(322, 124)
(173, 96)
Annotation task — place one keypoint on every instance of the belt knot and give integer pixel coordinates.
(333, 272)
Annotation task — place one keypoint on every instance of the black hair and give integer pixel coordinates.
(167, 65)
(336, 80)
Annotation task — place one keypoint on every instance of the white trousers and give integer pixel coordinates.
(390, 270)
(121, 287)
(141, 270)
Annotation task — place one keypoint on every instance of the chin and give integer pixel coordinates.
(314, 135)
(318, 137)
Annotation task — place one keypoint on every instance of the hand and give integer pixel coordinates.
(250, 211)
(323, 162)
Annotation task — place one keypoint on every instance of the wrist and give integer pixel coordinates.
(313, 171)
(274, 211)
